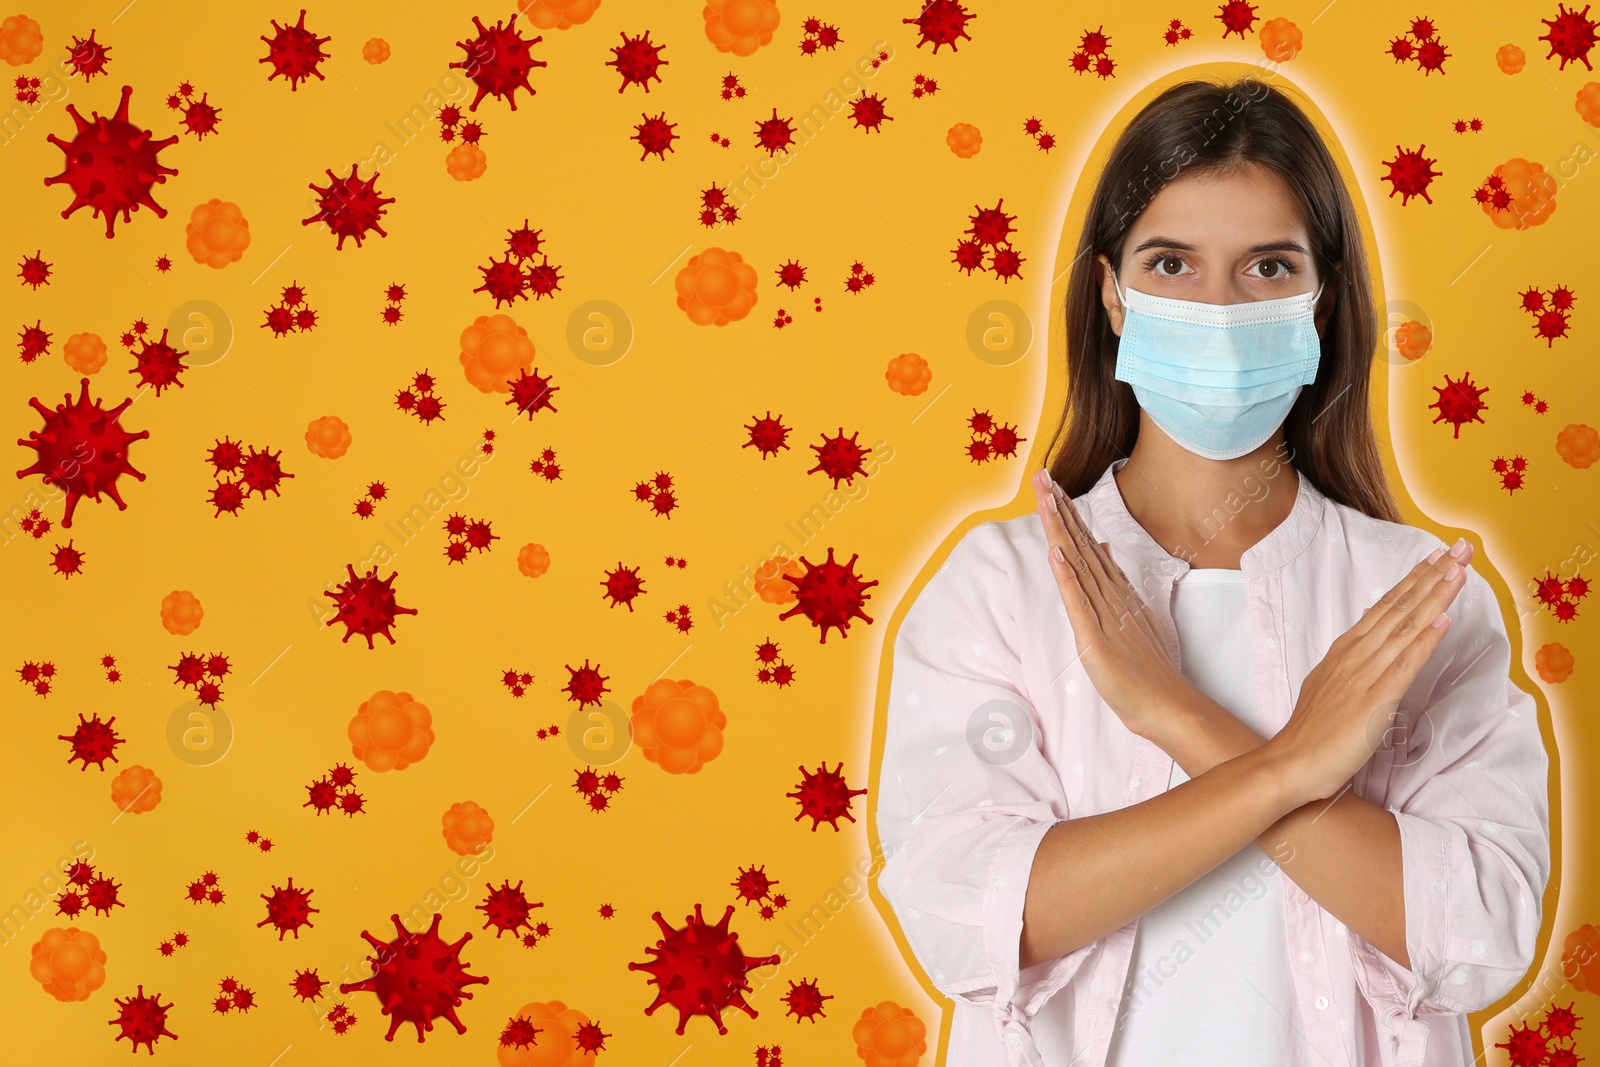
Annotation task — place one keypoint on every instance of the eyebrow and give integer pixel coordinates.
(1168, 242)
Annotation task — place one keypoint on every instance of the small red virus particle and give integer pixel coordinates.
(391, 314)
(518, 1032)
(366, 605)
(699, 969)
(839, 458)
(67, 560)
(768, 434)
(93, 741)
(471, 132)
(262, 472)
(1527, 1047)
(165, 948)
(753, 883)
(791, 274)
(1560, 1022)
(200, 117)
(323, 795)
(70, 904)
(288, 909)
(1571, 35)
(1459, 402)
(585, 684)
(180, 939)
(226, 455)
(35, 271)
(244, 999)
(774, 134)
(88, 57)
(830, 594)
(142, 1020)
(307, 985)
(342, 774)
(590, 1038)
(349, 206)
(805, 1001)
(507, 909)
(824, 796)
(158, 364)
(498, 61)
(637, 60)
(941, 22)
(503, 280)
(101, 894)
(111, 165)
(417, 978)
(868, 112)
(1410, 174)
(622, 585)
(1236, 16)
(33, 342)
(655, 135)
(227, 496)
(294, 52)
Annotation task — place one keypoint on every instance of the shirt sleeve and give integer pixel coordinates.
(965, 793)
(1470, 793)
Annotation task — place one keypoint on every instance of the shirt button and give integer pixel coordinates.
(1322, 1003)
(1095, 986)
(1014, 1038)
(1308, 956)
(1479, 948)
(1133, 783)
(1439, 887)
(1272, 642)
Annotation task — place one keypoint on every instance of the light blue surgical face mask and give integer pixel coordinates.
(1218, 379)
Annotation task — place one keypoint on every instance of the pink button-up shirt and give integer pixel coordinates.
(995, 733)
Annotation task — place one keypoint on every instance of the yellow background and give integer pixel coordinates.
(677, 400)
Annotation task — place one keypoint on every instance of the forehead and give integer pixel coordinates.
(1220, 211)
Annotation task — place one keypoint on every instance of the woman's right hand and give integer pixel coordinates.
(1347, 702)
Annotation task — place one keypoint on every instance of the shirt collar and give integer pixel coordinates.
(1279, 546)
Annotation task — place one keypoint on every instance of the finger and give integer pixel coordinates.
(1421, 605)
(1059, 533)
(1119, 590)
(1080, 606)
(1098, 564)
(1427, 569)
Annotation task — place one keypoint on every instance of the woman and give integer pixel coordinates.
(1212, 760)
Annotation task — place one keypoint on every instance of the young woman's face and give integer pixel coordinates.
(1219, 240)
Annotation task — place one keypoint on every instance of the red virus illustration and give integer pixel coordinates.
(792, 274)
(1236, 16)
(206, 887)
(517, 682)
(637, 60)
(417, 978)
(83, 449)
(585, 684)
(67, 560)
(37, 675)
(830, 594)
(1540, 406)
(839, 458)
(1561, 598)
(1459, 402)
(1091, 54)
(768, 434)
(292, 313)
(466, 535)
(349, 206)
(88, 58)
(34, 342)
(991, 439)
(498, 61)
(288, 909)
(307, 984)
(622, 585)
(142, 1020)
(859, 279)
(101, 894)
(774, 134)
(699, 969)
(112, 165)
(1550, 312)
(158, 364)
(366, 605)
(1176, 31)
(503, 280)
(868, 112)
(989, 247)
(655, 135)
(203, 673)
(294, 52)
(530, 392)
(941, 22)
(1410, 174)
(419, 399)
(772, 670)
(1571, 35)
(922, 85)
(818, 35)
(35, 271)
(753, 884)
(519, 1032)
(824, 796)
(731, 89)
(805, 1001)
(1510, 472)
(200, 116)
(1463, 125)
(597, 789)
(658, 494)
(1420, 44)
(507, 909)
(590, 1038)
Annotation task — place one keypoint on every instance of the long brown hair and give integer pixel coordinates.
(1200, 127)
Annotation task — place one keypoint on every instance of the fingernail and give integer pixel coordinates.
(1459, 549)
(1454, 569)
(1041, 478)
(1433, 557)
(1441, 620)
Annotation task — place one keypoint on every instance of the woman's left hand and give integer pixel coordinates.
(1115, 630)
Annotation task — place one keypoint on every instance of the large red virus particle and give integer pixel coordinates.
(941, 22)
(622, 585)
(655, 135)
(143, 1020)
(774, 134)
(508, 909)
(503, 280)
(824, 796)
(498, 61)
(839, 457)
(288, 909)
(1236, 16)
(366, 605)
(1410, 174)
(637, 60)
(89, 58)
(530, 392)
(830, 594)
(585, 684)
(1459, 402)
(805, 1000)
(200, 116)
(158, 364)
(417, 978)
(768, 434)
(1571, 36)
(699, 969)
(294, 52)
(83, 449)
(112, 165)
(349, 206)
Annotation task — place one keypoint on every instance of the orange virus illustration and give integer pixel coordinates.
(468, 829)
(740, 26)
(391, 731)
(678, 725)
(217, 234)
(716, 287)
(888, 1035)
(69, 963)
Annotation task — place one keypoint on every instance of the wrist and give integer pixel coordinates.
(1285, 773)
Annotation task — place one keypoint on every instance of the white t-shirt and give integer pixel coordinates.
(1209, 983)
